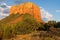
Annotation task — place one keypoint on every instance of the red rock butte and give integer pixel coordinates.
(27, 7)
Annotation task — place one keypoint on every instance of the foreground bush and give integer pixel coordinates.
(8, 31)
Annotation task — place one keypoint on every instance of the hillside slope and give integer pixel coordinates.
(10, 18)
(15, 18)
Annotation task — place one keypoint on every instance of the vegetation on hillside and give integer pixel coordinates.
(26, 25)
(10, 18)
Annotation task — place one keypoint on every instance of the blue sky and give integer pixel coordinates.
(50, 8)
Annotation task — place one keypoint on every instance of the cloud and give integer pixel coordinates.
(4, 5)
(46, 15)
(4, 10)
(57, 10)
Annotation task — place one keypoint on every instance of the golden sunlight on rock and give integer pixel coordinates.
(27, 7)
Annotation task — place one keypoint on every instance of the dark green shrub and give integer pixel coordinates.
(57, 25)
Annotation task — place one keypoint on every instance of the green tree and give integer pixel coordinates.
(57, 25)
(51, 23)
(46, 26)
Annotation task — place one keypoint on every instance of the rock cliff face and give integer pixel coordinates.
(28, 7)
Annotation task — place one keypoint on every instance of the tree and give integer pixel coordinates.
(57, 25)
(51, 23)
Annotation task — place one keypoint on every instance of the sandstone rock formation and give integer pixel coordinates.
(28, 7)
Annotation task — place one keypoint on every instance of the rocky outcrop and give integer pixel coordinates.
(28, 7)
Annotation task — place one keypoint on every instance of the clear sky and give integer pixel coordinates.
(51, 8)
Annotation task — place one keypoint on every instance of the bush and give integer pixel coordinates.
(27, 25)
(57, 25)
(8, 31)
